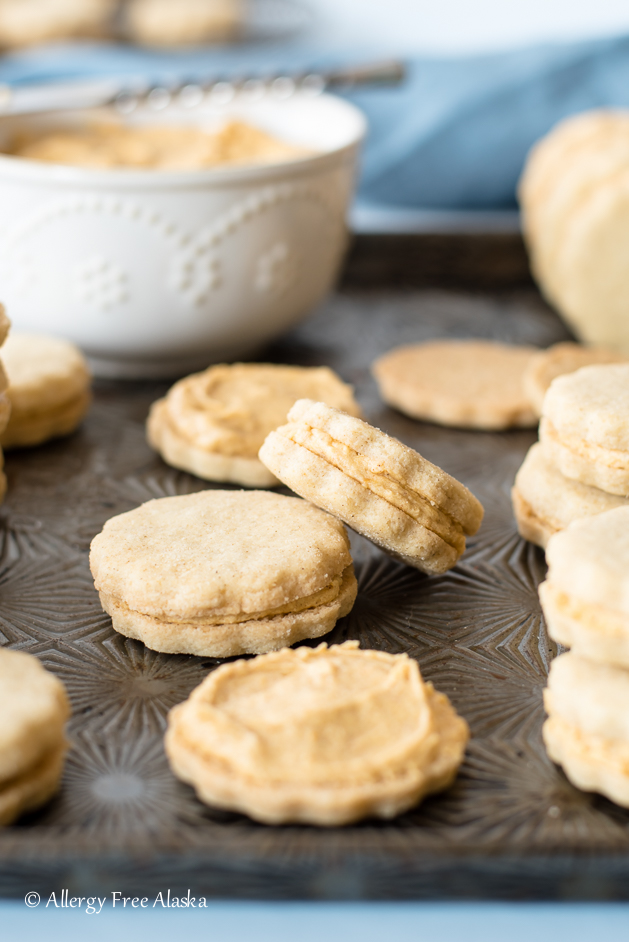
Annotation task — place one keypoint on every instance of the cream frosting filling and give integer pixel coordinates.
(596, 454)
(323, 597)
(611, 753)
(160, 147)
(596, 618)
(380, 482)
(315, 720)
(230, 410)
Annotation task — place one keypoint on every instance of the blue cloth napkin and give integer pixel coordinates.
(453, 136)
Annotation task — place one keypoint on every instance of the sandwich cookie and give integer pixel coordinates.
(49, 389)
(544, 501)
(464, 383)
(321, 736)
(32, 742)
(585, 597)
(375, 484)
(214, 423)
(587, 730)
(223, 572)
(585, 426)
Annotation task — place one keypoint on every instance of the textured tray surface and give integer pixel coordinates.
(511, 825)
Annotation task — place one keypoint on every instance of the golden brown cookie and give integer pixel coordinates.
(49, 388)
(378, 486)
(221, 573)
(587, 731)
(464, 383)
(544, 501)
(214, 423)
(585, 597)
(585, 428)
(35, 708)
(321, 736)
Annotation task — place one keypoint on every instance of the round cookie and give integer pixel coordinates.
(322, 736)
(587, 732)
(33, 789)
(34, 708)
(544, 501)
(586, 595)
(558, 360)
(184, 22)
(378, 486)
(464, 383)
(26, 22)
(221, 573)
(214, 423)
(590, 559)
(49, 388)
(585, 427)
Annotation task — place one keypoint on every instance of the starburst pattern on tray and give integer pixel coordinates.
(120, 785)
(477, 632)
(47, 598)
(121, 687)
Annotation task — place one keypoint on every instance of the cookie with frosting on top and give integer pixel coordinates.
(322, 736)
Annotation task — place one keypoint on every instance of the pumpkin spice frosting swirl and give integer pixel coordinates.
(324, 736)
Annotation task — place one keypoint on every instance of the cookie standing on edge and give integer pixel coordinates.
(545, 502)
(322, 736)
(34, 709)
(463, 383)
(587, 730)
(214, 423)
(221, 573)
(49, 388)
(585, 597)
(375, 484)
(585, 429)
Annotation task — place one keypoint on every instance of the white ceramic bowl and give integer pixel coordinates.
(159, 273)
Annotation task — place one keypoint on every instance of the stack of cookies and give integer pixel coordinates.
(34, 709)
(581, 466)
(49, 389)
(586, 604)
(574, 195)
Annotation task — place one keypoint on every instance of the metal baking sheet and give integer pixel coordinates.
(511, 826)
